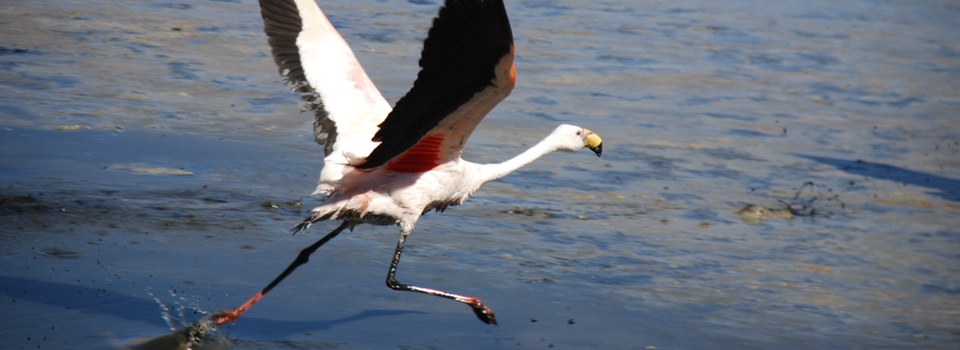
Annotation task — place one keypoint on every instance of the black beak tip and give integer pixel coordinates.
(598, 150)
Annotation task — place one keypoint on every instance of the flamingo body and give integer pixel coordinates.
(386, 166)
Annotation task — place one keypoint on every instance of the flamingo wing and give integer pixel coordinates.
(466, 70)
(315, 60)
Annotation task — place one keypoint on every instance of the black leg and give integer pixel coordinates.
(483, 312)
(195, 334)
(304, 256)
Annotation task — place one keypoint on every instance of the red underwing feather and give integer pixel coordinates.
(422, 157)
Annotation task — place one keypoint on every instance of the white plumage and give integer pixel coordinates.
(388, 166)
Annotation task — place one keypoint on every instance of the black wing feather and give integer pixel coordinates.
(282, 24)
(460, 54)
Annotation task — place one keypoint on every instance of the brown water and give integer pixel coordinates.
(153, 163)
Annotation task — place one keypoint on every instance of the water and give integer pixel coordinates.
(153, 164)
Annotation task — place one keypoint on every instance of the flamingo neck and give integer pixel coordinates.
(490, 172)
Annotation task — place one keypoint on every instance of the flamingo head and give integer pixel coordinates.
(574, 138)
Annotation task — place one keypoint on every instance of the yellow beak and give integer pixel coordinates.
(593, 142)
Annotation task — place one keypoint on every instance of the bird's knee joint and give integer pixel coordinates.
(393, 284)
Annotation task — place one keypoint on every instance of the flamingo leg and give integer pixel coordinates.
(304, 256)
(483, 312)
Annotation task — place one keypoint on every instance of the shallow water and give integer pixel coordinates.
(153, 163)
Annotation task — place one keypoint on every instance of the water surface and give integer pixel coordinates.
(153, 163)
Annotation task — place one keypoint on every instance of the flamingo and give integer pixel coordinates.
(386, 166)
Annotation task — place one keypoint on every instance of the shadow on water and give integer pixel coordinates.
(132, 308)
(91, 300)
(944, 187)
(258, 328)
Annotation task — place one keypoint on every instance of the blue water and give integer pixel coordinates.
(152, 164)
